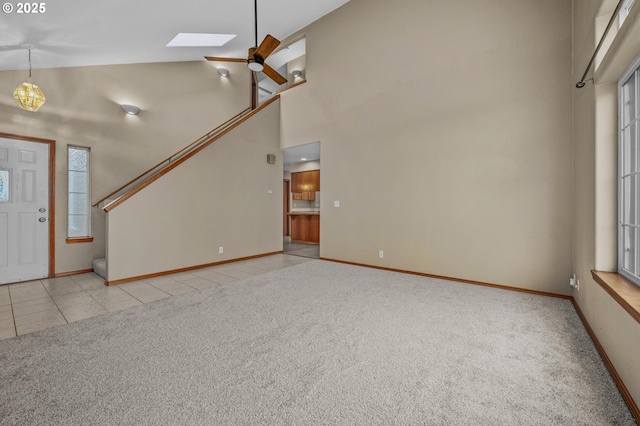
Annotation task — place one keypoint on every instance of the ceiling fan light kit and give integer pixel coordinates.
(28, 95)
(255, 66)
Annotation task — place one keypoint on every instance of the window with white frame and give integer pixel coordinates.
(78, 218)
(629, 174)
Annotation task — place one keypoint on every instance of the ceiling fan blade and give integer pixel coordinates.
(267, 46)
(213, 58)
(273, 74)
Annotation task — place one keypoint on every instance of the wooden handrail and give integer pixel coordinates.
(291, 87)
(184, 158)
(168, 160)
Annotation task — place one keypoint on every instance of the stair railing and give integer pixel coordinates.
(168, 161)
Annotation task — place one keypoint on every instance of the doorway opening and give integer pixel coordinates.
(301, 203)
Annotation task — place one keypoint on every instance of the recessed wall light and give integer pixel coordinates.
(200, 40)
(223, 72)
(130, 109)
(303, 159)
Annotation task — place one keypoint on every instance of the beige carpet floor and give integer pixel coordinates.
(318, 343)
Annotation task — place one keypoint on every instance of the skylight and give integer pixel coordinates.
(200, 40)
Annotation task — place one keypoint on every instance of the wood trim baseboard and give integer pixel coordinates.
(181, 160)
(189, 268)
(623, 291)
(626, 395)
(633, 407)
(67, 274)
(79, 240)
(460, 280)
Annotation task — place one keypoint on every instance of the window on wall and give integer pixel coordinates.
(629, 175)
(78, 219)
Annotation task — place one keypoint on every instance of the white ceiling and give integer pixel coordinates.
(85, 32)
(294, 154)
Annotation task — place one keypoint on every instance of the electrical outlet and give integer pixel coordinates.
(220, 250)
(380, 254)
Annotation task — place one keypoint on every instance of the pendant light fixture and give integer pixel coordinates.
(28, 95)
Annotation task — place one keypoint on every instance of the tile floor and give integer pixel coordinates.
(36, 305)
(302, 249)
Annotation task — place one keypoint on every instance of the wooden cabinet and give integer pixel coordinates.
(305, 183)
(304, 196)
(305, 228)
(314, 229)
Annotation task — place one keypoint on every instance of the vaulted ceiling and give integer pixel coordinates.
(80, 32)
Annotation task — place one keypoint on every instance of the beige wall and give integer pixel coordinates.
(595, 193)
(446, 137)
(297, 64)
(218, 198)
(179, 101)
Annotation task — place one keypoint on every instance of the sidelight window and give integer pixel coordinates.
(78, 217)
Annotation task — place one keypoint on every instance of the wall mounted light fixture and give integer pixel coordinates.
(130, 109)
(28, 95)
(296, 73)
(223, 72)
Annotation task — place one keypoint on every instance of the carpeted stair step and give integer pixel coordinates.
(100, 267)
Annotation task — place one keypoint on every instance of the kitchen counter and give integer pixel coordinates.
(305, 227)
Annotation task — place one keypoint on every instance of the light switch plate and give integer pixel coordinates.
(336, 204)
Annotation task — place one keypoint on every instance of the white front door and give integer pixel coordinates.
(24, 210)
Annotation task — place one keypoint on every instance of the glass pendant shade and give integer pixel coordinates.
(29, 96)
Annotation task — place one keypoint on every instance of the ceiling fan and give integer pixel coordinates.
(258, 54)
